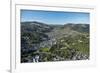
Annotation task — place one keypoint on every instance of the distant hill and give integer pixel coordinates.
(78, 27)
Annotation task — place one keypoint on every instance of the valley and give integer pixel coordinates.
(42, 42)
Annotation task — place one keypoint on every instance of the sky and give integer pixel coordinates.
(54, 17)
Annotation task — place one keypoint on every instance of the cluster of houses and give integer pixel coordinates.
(36, 58)
(48, 43)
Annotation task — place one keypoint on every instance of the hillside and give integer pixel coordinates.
(54, 42)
